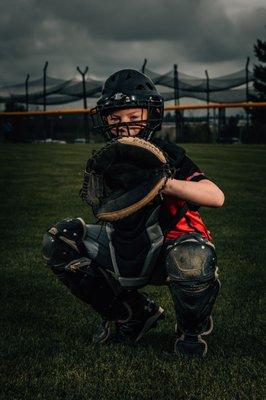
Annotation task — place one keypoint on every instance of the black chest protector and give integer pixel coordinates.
(136, 241)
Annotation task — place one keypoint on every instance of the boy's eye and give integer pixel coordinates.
(134, 118)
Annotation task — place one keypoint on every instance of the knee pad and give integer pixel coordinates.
(191, 258)
(191, 264)
(63, 242)
(64, 251)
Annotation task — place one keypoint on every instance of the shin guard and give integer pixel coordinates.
(194, 285)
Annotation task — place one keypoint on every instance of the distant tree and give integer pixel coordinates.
(12, 106)
(14, 127)
(230, 129)
(259, 114)
(168, 117)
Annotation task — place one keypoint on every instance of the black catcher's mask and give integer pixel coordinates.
(125, 89)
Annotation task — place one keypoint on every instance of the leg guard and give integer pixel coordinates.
(96, 286)
(65, 253)
(194, 285)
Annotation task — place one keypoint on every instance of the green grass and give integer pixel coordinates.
(46, 333)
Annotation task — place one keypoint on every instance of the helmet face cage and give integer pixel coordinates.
(127, 89)
(147, 126)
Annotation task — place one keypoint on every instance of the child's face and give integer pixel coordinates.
(128, 117)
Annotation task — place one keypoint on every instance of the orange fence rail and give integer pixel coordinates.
(167, 108)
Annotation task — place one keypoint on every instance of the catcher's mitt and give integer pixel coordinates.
(124, 176)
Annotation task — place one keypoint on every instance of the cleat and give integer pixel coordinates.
(103, 332)
(135, 328)
(151, 322)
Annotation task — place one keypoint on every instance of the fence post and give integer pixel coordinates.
(44, 99)
(44, 85)
(27, 102)
(177, 102)
(27, 91)
(144, 66)
(208, 97)
(85, 115)
(214, 127)
(247, 96)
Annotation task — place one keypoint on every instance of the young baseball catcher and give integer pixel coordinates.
(146, 194)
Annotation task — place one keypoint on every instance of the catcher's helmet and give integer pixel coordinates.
(124, 89)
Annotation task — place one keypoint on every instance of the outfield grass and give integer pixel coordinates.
(46, 333)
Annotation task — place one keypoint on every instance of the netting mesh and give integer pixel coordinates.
(223, 96)
(194, 84)
(59, 91)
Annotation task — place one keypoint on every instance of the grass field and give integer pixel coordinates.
(46, 333)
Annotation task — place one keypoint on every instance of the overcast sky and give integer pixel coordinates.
(216, 35)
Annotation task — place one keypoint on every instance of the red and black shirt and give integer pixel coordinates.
(191, 220)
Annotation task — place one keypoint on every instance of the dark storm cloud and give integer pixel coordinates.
(111, 34)
(200, 27)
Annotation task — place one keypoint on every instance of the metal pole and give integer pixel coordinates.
(83, 74)
(218, 127)
(27, 101)
(247, 79)
(44, 99)
(44, 85)
(177, 101)
(208, 97)
(144, 66)
(247, 95)
(214, 126)
(85, 116)
(27, 91)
